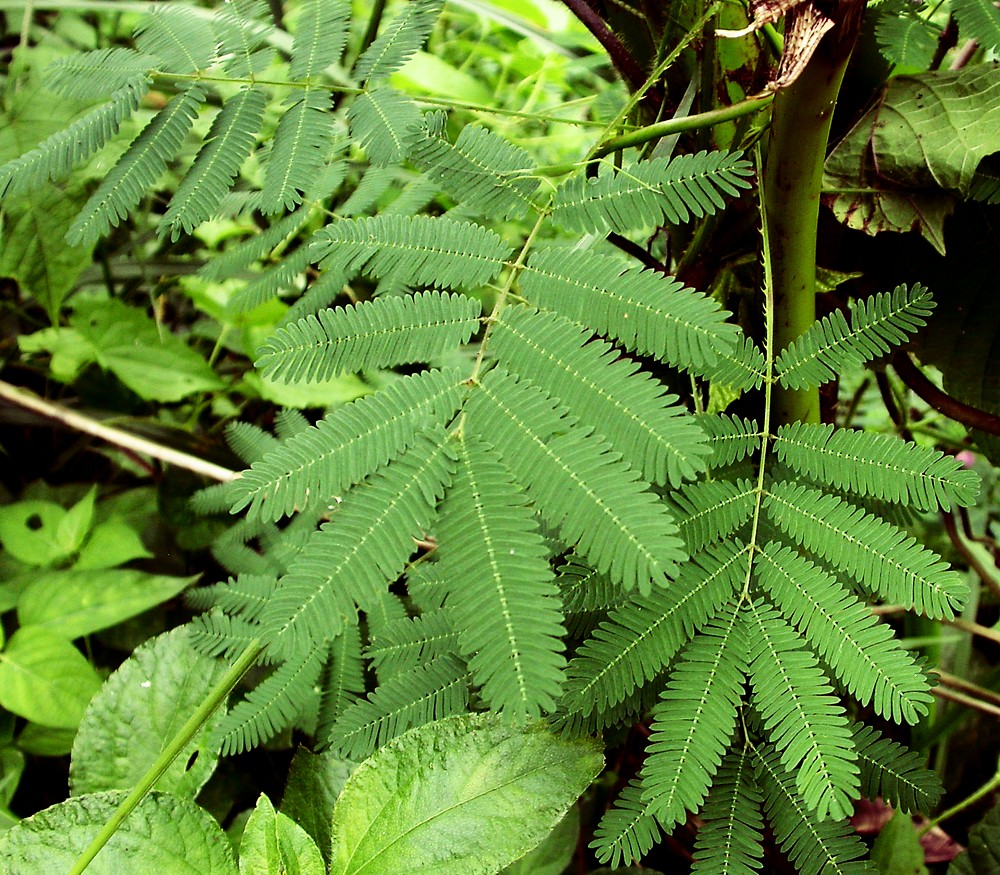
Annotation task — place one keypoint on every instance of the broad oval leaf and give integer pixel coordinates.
(274, 844)
(164, 834)
(140, 708)
(467, 795)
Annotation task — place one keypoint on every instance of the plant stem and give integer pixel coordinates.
(188, 731)
(800, 129)
(972, 799)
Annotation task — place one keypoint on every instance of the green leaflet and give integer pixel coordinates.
(386, 123)
(299, 151)
(627, 831)
(399, 39)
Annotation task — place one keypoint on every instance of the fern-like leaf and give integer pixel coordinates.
(230, 140)
(385, 123)
(712, 510)
(343, 680)
(500, 586)
(801, 715)
(639, 639)
(426, 693)
(879, 556)
(372, 334)
(97, 74)
(180, 40)
(860, 650)
(138, 170)
(359, 552)
(403, 645)
(242, 28)
(320, 37)
(399, 40)
(299, 150)
(830, 347)
(645, 311)
(420, 250)
(731, 439)
(238, 258)
(218, 634)
(694, 719)
(730, 842)
(482, 171)
(978, 20)
(740, 368)
(897, 775)
(244, 597)
(649, 193)
(632, 410)
(59, 153)
(907, 39)
(597, 502)
(627, 831)
(313, 468)
(880, 466)
(273, 704)
(815, 846)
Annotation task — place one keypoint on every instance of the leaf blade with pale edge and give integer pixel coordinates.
(400, 38)
(607, 392)
(801, 716)
(136, 714)
(578, 482)
(879, 556)
(372, 334)
(730, 842)
(479, 794)
(230, 140)
(161, 829)
(646, 311)
(320, 37)
(417, 250)
(694, 719)
(501, 591)
(299, 151)
(311, 469)
(386, 124)
(361, 551)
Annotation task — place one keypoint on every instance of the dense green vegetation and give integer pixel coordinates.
(499, 436)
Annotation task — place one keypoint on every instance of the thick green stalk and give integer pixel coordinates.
(800, 129)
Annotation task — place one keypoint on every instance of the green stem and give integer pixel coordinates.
(170, 752)
(800, 129)
(967, 802)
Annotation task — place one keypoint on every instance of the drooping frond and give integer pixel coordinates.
(711, 510)
(343, 680)
(244, 597)
(646, 311)
(372, 334)
(371, 188)
(361, 551)
(242, 27)
(426, 693)
(731, 439)
(139, 168)
(861, 650)
(212, 499)
(299, 150)
(181, 41)
(320, 36)
(882, 558)
(482, 171)
(580, 486)
(238, 258)
(978, 20)
(815, 846)
(230, 140)
(907, 39)
(895, 773)
(412, 641)
(743, 367)
(385, 123)
(829, 347)
(93, 75)
(630, 408)
(802, 717)
(420, 250)
(56, 155)
(881, 466)
(400, 38)
(648, 193)
(627, 830)
(273, 704)
(265, 286)
(730, 841)
(217, 634)
(501, 590)
(290, 423)
(382, 610)
(694, 719)
(584, 589)
(313, 468)
(639, 639)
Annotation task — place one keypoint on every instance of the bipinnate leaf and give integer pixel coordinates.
(399, 39)
(137, 713)
(978, 20)
(162, 831)
(320, 37)
(181, 41)
(386, 123)
(463, 796)
(299, 150)
(274, 844)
